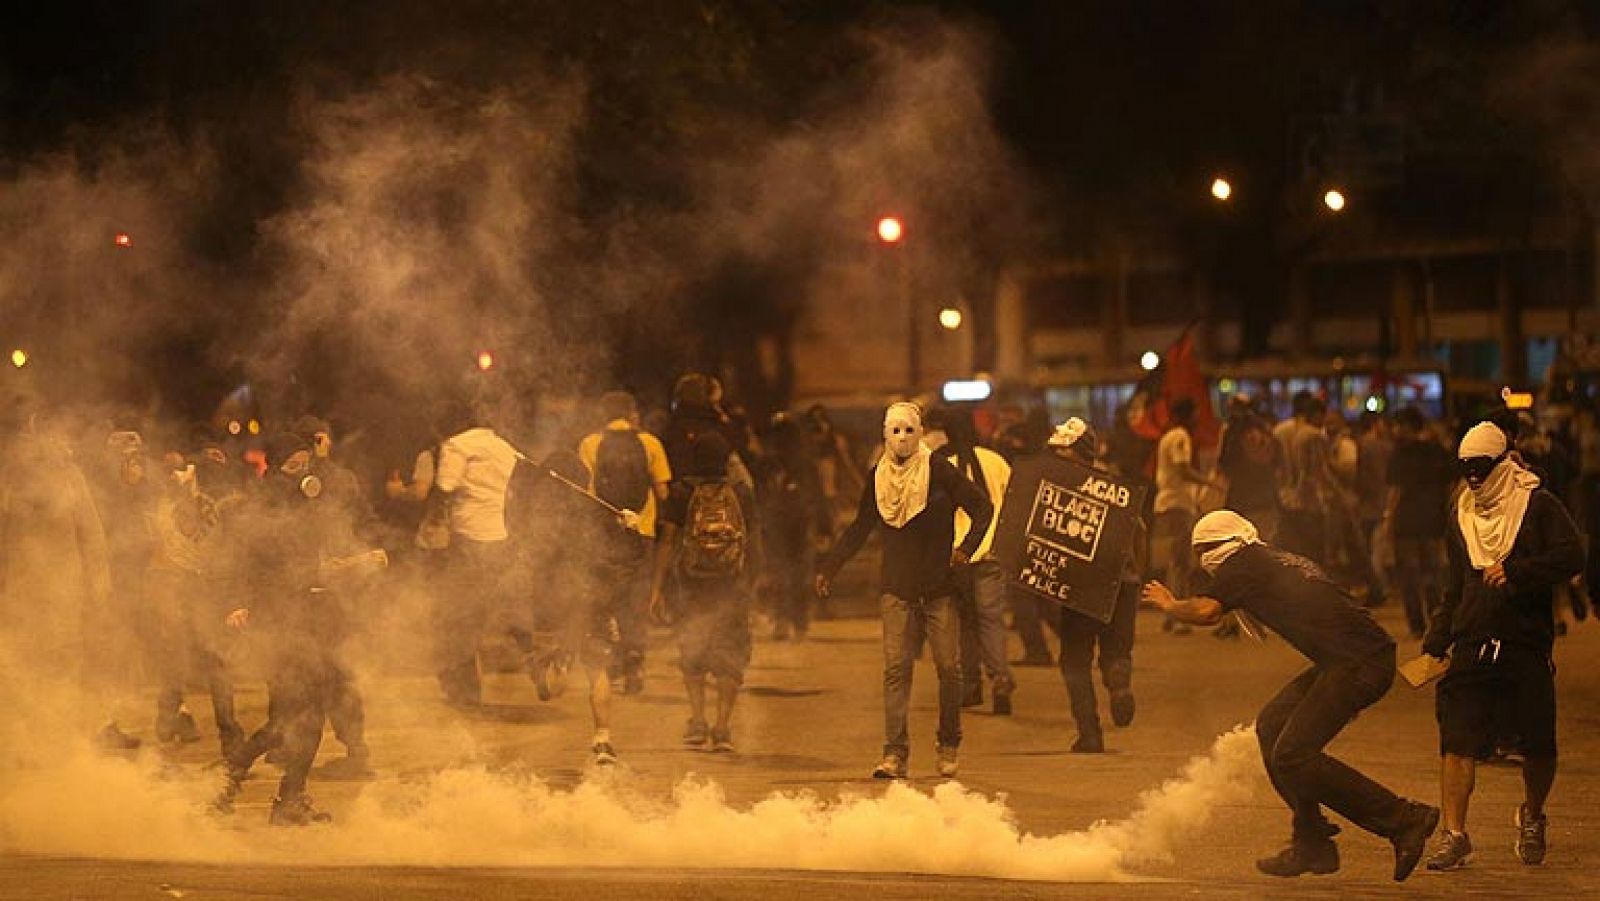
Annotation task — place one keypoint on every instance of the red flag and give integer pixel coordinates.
(1180, 377)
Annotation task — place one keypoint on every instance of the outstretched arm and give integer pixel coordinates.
(1198, 611)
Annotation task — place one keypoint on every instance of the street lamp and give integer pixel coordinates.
(1221, 189)
(122, 239)
(890, 230)
(950, 318)
(1334, 200)
(485, 360)
(19, 358)
(1149, 361)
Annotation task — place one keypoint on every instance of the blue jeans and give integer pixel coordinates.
(905, 625)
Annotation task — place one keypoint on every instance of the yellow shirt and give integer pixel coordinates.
(655, 461)
(996, 475)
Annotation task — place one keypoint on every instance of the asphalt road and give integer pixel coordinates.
(810, 720)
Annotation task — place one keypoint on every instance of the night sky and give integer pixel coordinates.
(1120, 112)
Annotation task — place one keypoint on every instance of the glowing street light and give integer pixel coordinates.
(1221, 189)
(122, 239)
(950, 318)
(19, 358)
(1334, 200)
(890, 230)
(1149, 361)
(485, 360)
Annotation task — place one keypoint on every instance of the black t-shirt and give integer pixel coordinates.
(1423, 472)
(1291, 596)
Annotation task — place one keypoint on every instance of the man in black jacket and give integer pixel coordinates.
(913, 496)
(1510, 544)
(1352, 667)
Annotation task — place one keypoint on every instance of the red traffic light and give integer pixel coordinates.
(123, 239)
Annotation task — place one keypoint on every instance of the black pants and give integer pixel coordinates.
(1028, 612)
(1079, 635)
(305, 684)
(1294, 728)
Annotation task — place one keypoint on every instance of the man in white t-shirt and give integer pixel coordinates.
(1177, 502)
(475, 467)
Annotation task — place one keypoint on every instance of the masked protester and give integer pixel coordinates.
(55, 587)
(282, 539)
(1076, 440)
(187, 588)
(911, 500)
(1510, 544)
(1352, 667)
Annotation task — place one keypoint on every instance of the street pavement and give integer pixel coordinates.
(811, 718)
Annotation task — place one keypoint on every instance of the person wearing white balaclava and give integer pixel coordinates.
(1511, 543)
(911, 500)
(1352, 665)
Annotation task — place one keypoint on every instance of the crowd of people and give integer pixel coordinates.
(136, 563)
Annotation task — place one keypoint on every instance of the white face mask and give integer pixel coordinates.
(902, 432)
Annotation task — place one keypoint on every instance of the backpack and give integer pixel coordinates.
(714, 532)
(622, 470)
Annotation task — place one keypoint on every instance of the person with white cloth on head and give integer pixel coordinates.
(911, 501)
(1510, 544)
(1352, 667)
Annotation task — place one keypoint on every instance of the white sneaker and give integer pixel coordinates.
(893, 766)
(949, 761)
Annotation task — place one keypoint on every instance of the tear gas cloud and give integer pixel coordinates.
(475, 817)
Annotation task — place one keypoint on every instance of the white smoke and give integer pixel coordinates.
(475, 817)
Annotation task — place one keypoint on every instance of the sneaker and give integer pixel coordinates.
(1002, 701)
(1319, 857)
(972, 694)
(1122, 706)
(1088, 743)
(604, 754)
(949, 761)
(722, 741)
(892, 766)
(696, 734)
(223, 802)
(1453, 851)
(296, 811)
(1412, 838)
(1530, 837)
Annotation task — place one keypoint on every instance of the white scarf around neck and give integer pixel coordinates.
(902, 488)
(1491, 514)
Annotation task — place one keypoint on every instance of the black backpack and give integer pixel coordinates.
(622, 470)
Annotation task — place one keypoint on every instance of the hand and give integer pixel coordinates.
(958, 557)
(239, 618)
(1495, 576)
(630, 521)
(823, 587)
(1156, 595)
(393, 485)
